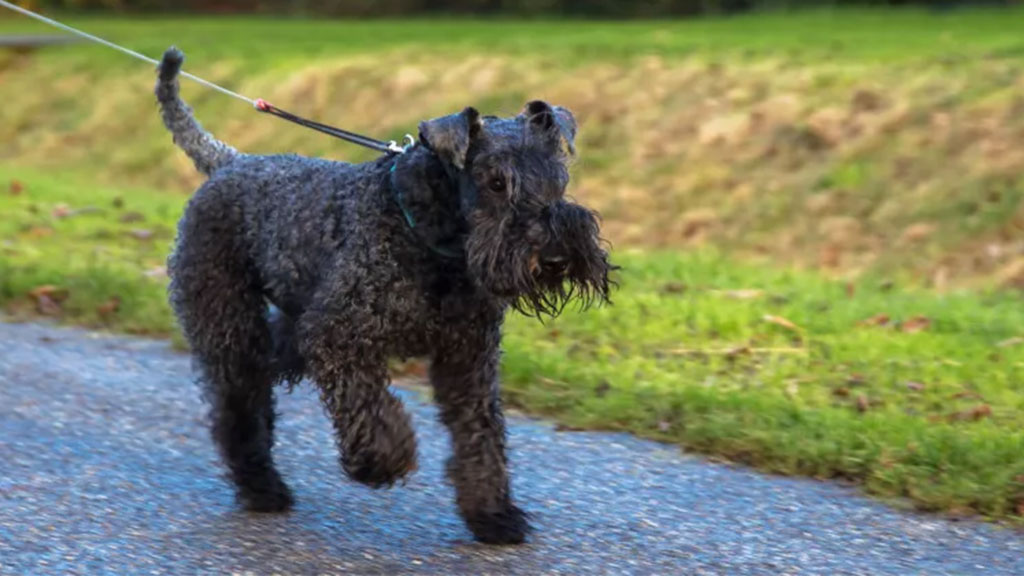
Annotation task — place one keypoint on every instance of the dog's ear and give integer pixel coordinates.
(449, 136)
(552, 121)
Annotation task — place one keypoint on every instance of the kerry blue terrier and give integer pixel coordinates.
(410, 255)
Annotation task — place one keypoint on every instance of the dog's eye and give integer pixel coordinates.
(496, 184)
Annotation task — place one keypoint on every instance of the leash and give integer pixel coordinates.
(390, 147)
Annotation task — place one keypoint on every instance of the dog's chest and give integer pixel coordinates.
(408, 317)
(419, 309)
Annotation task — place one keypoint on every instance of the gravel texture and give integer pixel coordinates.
(106, 468)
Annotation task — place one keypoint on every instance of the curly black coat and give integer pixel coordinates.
(411, 255)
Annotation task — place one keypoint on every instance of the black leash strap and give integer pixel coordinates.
(391, 147)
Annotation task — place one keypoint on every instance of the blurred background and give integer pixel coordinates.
(818, 206)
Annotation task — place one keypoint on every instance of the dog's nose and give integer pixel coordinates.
(556, 264)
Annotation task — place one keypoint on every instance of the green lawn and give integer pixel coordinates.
(844, 34)
(818, 216)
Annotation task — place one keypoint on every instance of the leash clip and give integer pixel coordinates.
(400, 149)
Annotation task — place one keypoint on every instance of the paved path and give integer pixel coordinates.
(105, 467)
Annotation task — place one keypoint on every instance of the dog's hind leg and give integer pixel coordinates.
(223, 315)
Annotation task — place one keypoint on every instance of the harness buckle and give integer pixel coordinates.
(397, 148)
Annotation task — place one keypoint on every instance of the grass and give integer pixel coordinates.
(95, 245)
(819, 215)
(795, 374)
(844, 34)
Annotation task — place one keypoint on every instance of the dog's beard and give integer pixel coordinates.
(508, 268)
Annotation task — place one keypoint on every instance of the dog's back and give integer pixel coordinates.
(289, 215)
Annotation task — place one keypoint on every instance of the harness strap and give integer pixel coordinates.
(410, 220)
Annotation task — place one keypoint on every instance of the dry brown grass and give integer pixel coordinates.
(845, 167)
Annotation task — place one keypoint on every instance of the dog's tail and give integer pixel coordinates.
(207, 152)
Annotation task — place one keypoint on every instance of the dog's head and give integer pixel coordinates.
(525, 242)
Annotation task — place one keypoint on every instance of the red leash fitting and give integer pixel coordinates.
(262, 105)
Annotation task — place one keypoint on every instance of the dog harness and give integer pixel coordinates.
(443, 251)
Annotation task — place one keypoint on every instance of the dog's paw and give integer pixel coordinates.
(272, 496)
(381, 469)
(381, 454)
(508, 526)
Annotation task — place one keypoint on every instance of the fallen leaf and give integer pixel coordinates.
(48, 298)
(664, 426)
(862, 403)
(109, 308)
(916, 233)
(61, 211)
(915, 386)
(1020, 507)
(156, 272)
(980, 411)
(39, 232)
(842, 391)
(733, 353)
(1011, 342)
(673, 288)
(851, 289)
(780, 321)
(47, 306)
(16, 188)
(55, 293)
(129, 217)
(915, 324)
(876, 320)
(141, 234)
(856, 379)
(966, 394)
(973, 414)
(829, 256)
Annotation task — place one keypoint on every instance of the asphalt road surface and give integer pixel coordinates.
(106, 468)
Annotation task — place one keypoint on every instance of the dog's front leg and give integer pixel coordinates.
(375, 434)
(464, 375)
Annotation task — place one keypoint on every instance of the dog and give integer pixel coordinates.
(286, 267)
